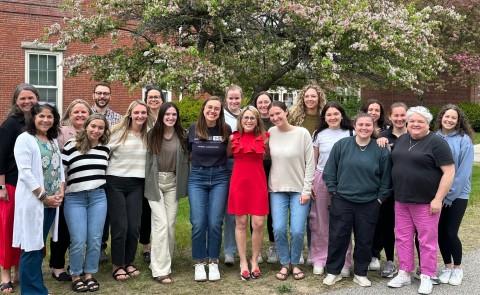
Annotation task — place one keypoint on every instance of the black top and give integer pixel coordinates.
(392, 138)
(208, 153)
(9, 131)
(416, 169)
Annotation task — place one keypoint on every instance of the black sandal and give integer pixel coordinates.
(92, 284)
(62, 277)
(79, 286)
(134, 269)
(116, 274)
(4, 287)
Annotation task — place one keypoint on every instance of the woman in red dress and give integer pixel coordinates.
(248, 186)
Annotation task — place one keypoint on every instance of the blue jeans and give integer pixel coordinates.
(280, 202)
(31, 277)
(207, 193)
(85, 214)
(229, 243)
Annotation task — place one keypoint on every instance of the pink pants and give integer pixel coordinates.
(408, 218)
(319, 224)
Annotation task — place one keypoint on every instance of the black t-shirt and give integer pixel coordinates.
(416, 169)
(392, 138)
(207, 153)
(9, 131)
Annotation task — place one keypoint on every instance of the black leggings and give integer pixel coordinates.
(384, 232)
(146, 223)
(448, 240)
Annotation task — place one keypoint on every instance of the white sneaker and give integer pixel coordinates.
(200, 274)
(330, 279)
(318, 270)
(345, 272)
(374, 264)
(457, 277)
(445, 275)
(426, 285)
(302, 260)
(229, 260)
(272, 256)
(402, 279)
(213, 273)
(362, 281)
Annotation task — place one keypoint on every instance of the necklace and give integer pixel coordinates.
(362, 148)
(410, 146)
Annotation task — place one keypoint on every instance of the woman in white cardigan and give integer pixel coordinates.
(39, 193)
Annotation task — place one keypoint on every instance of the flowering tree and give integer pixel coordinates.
(205, 44)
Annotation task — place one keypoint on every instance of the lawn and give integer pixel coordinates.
(476, 138)
(230, 283)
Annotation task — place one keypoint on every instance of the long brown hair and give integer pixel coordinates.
(83, 144)
(155, 135)
(14, 109)
(201, 128)
(463, 126)
(297, 113)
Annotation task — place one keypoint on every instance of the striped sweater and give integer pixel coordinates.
(84, 171)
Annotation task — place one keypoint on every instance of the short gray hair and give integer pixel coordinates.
(422, 111)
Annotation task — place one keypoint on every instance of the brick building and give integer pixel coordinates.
(23, 21)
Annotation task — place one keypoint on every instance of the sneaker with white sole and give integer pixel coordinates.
(318, 270)
(229, 259)
(389, 270)
(403, 278)
(445, 275)
(330, 279)
(302, 260)
(362, 281)
(426, 285)
(374, 264)
(345, 272)
(272, 256)
(456, 277)
(213, 272)
(200, 274)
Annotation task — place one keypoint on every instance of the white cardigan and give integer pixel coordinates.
(28, 219)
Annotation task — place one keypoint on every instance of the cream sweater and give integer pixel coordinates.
(292, 161)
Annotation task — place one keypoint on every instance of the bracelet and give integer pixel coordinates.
(42, 196)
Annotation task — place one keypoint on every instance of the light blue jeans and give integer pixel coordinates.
(207, 193)
(85, 214)
(280, 203)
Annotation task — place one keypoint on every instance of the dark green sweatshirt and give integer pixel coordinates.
(358, 176)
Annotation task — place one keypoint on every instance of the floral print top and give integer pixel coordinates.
(51, 166)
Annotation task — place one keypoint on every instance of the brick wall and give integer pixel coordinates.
(24, 21)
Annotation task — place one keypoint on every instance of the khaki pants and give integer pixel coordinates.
(164, 213)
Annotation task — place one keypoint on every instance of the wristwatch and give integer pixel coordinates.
(2, 187)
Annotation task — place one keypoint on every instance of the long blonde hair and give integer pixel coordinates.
(297, 113)
(124, 125)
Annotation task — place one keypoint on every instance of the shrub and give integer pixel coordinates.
(351, 103)
(471, 110)
(189, 109)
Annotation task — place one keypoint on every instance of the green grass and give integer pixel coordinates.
(476, 138)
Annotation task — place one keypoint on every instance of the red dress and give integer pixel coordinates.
(248, 193)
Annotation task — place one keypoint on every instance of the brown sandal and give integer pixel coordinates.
(281, 275)
(165, 280)
(299, 275)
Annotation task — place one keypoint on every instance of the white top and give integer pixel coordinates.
(84, 171)
(28, 218)
(230, 119)
(325, 141)
(292, 161)
(127, 159)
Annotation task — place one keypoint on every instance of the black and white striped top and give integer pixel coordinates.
(84, 171)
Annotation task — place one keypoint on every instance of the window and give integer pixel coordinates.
(44, 71)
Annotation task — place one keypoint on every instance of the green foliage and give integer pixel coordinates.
(472, 112)
(285, 288)
(189, 109)
(351, 103)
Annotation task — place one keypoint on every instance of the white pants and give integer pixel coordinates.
(164, 214)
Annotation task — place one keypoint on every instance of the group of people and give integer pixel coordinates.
(308, 170)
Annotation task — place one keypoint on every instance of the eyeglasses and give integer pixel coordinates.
(99, 93)
(154, 97)
(248, 118)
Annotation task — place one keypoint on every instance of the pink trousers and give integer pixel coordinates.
(319, 222)
(408, 218)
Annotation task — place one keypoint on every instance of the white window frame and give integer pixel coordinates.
(59, 87)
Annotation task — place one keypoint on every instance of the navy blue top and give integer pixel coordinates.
(208, 153)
